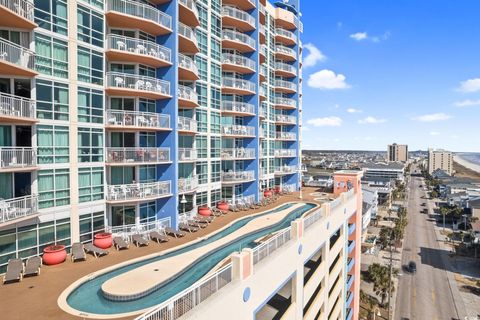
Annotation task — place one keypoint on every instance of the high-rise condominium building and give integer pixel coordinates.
(397, 153)
(440, 159)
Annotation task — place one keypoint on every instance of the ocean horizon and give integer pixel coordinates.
(472, 157)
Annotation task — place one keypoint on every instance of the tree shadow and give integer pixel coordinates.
(442, 260)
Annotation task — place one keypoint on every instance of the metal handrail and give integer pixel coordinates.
(285, 102)
(15, 106)
(238, 130)
(21, 7)
(236, 59)
(187, 32)
(266, 248)
(16, 54)
(234, 176)
(17, 157)
(137, 119)
(137, 154)
(135, 191)
(137, 82)
(187, 184)
(141, 10)
(238, 14)
(187, 154)
(238, 37)
(237, 153)
(187, 93)
(16, 208)
(236, 106)
(231, 82)
(285, 84)
(187, 63)
(138, 46)
(187, 124)
(286, 33)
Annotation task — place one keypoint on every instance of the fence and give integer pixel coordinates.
(265, 249)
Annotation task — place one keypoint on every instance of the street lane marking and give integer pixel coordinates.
(433, 296)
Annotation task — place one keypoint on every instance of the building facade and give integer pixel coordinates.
(397, 153)
(119, 113)
(440, 159)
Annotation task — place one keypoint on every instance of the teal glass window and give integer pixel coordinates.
(215, 147)
(90, 184)
(90, 65)
(202, 172)
(51, 15)
(90, 145)
(51, 56)
(53, 188)
(52, 144)
(201, 145)
(90, 105)
(202, 120)
(215, 172)
(89, 26)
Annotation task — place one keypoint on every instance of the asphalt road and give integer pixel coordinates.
(425, 294)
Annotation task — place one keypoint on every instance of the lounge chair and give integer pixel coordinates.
(78, 252)
(186, 227)
(234, 208)
(32, 266)
(174, 233)
(197, 224)
(204, 219)
(95, 251)
(14, 271)
(217, 212)
(156, 236)
(120, 243)
(139, 240)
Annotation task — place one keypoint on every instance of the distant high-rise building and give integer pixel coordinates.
(397, 153)
(440, 159)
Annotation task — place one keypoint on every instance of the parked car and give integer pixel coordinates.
(412, 267)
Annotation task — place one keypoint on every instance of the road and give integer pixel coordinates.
(426, 294)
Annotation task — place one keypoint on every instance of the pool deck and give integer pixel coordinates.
(36, 297)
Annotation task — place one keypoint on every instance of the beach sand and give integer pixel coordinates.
(465, 169)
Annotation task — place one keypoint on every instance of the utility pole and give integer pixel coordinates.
(390, 267)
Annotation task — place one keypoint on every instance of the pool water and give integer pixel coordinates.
(88, 296)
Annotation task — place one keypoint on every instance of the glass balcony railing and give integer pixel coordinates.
(137, 155)
(237, 176)
(18, 107)
(127, 118)
(263, 111)
(238, 130)
(239, 15)
(263, 70)
(237, 153)
(186, 185)
(138, 191)
(16, 208)
(236, 59)
(138, 46)
(285, 85)
(187, 32)
(286, 136)
(187, 154)
(186, 62)
(190, 4)
(140, 10)
(23, 8)
(285, 67)
(286, 33)
(285, 50)
(137, 82)
(16, 54)
(285, 102)
(239, 84)
(187, 93)
(262, 91)
(286, 119)
(285, 169)
(187, 124)
(238, 37)
(17, 157)
(263, 50)
(285, 153)
(240, 107)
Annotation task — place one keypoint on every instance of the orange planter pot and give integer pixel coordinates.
(53, 255)
(103, 240)
(268, 193)
(223, 206)
(204, 211)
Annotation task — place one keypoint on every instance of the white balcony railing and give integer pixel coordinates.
(286, 169)
(285, 67)
(16, 208)
(138, 46)
(263, 111)
(15, 106)
(190, 4)
(285, 102)
(137, 82)
(21, 7)
(187, 154)
(285, 153)
(186, 62)
(286, 119)
(17, 157)
(16, 54)
(236, 59)
(238, 37)
(238, 130)
(237, 153)
(285, 84)
(187, 184)
(238, 176)
(266, 248)
(138, 155)
(187, 124)
(138, 191)
(137, 119)
(263, 50)
(241, 107)
(187, 93)
(286, 33)
(285, 50)
(286, 136)
(262, 92)
(239, 84)
(238, 14)
(140, 10)
(187, 32)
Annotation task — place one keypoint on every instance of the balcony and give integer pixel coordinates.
(262, 34)
(13, 159)
(238, 153)
(262, 112)
(237, 18)
(285, 70)
(285, 53)
(187, 125)
(188, 13)
(286, 136)
(237, 108)
(285, 169)
(124, 120)
(285, 36)
(286, 19)
(15, 109)
(350, 264)
(238, 41)
(237, 177)
(285, 103)
(187, 185)
(349, 299)
(351, 246)
(187, 97)
(187, 69)
(263, 53)
(237, 63)
(12, 210)
(263, 72)
(285, 120)
(285, 86)
(237, 86)
(17, 14)
(187, 39)
(351, 229)
(137, 192)
(132, 85)
(127, 14)
(137, 155)
(285, 153)
(16, 60)
(262, 93)
(121, 48)
(187, 155)
(350, 279)
(238, 131)
(242, 4)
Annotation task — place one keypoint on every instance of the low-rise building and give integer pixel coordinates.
(381, 171)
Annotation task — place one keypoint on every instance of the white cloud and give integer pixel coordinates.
(432, 117)
(314, 55)
(305, 128)
(434, 133)
(470, 85)
(353, 110)
(326, 122)
(363, 36)
(467, 103)
(327, 80)
(371, 120)
(359, 36)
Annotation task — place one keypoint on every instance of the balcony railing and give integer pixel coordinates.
(190, 4)
(241, 107)
(240, 84)
(187, 154)
(138, 46)
(22, 8)
(285, 33)
(238, 14)
(285, 50)
(238, 60)
(137, 155)
(285, 102)
(15, 106)
(263, 111)
(285, 169)
(262, 91)
(237, 153)
(16, 208)
(265, 249)
(285, 67)
(238, 176)
(187, 184)
(238, 130)
(17, 157)
(137, 119)
(187, 124)
(140, 10)
(263, 50)
(238, 37)
(16, 54)
(137, 82)
(187, 32)
(263, 70)
(286, 135)
(187, 93)
(285, 84)
(285, 153)
(286, 119)
(138, 191)
(186, 62)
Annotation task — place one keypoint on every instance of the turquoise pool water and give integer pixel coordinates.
(88, 297)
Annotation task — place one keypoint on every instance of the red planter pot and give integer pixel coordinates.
(53, 255)
(268, 193)
(103, 240)
(277, 190)
(204, 211)
(223, 206)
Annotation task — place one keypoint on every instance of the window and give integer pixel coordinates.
(215, 122)
(216, 25)
(215, 147)
(90, 224)
(216, 196)
(202, 94)
(216, 73)
(203, 16)
(53, 188)
(94, 3)
(147, 105)
(201, 144)
(202, 39)
(90, 105)
(148, 212)
(51, 56)
(52, 142)
(90, 66)
(90, 184)
(148, 173)
(202, 172)
(215, 99)
(202, 198)
(90, 145)
(146, 71)
(52, 100)
(90, 26)
(216, 168)
(202, 67)
(51, 15)
(202, 120)
(148, 139)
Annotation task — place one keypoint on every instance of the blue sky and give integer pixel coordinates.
(378, 72)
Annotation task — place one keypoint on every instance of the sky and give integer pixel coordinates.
(378, 72)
